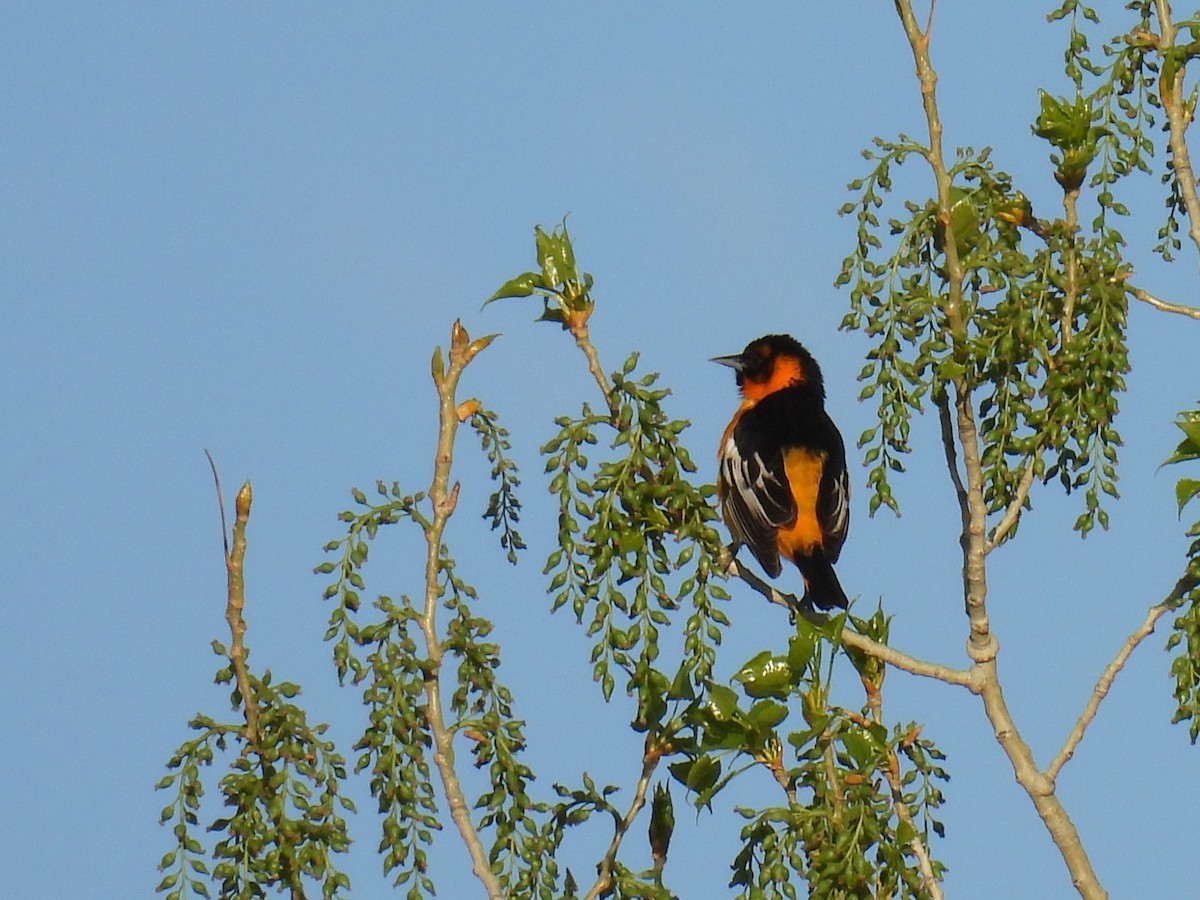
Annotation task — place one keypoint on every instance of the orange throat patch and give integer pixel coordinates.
(785, 372)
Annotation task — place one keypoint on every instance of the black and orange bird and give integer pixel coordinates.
(782, 479)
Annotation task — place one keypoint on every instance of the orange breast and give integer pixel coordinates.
(804, 469)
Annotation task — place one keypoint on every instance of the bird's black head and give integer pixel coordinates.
(772, 363)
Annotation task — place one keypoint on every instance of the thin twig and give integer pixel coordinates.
(892, 773)
(444, 498)
(946, 423)
(1013, 512)
(212, 464)
(235, 606)
(579, 330)
(1100, 691)
(1071, 291)
(836, 800)
(604, 879)
(850, 638)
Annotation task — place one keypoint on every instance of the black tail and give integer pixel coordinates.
(821, 586)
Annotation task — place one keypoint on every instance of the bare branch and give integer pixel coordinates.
(443, 498)
(1013, 513)
(900, 660)
(850, 638)
(1162, 305)
(579, 330)
(1100, 691)
(603, 883)
(235, 561)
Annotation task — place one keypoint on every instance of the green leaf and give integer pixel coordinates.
(722, 703)
(766, 714)
(1189, 447)
(522, 286)
(681, 686)
(801, 647)
(555, 255)
(1185, 490)
(765, 675)
(552, 314)
(698, 774)
(858, 747)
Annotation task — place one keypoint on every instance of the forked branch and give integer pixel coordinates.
(960, 435)
(603, 885)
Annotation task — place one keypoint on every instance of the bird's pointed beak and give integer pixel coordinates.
(736, 361)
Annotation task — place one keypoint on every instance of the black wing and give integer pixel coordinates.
(755, 494)
(833, 496)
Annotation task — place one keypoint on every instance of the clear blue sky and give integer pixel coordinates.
(243, 227)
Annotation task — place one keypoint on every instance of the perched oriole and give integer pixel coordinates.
(782, 479)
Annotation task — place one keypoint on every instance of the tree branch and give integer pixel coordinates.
(896, 786)
(603, 883)
(1039, 788)
(1013, 513)
(850, 638)
(443, 498)
(1100, 691)
(946, 423)
(982, 645)
(235, 563)
(1178, 118)
(579, 330)
(1162, 305)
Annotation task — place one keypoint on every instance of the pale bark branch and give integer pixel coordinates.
(982, 645)
(1100, 691)
(235, 598)
(895, 658)
(603, 883)
(1039, 788)
(1178, 119)
(1163, 305)
(1013, 513)
(579, 330)
(443, 498)
(235, 567)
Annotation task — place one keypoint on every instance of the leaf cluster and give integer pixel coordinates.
(636, 545)
(1039, 338)
(504, 508)
(388, 657)
(1185, 630)
(635, 539)
(855, 792)
(564, 288)
(282, 821)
